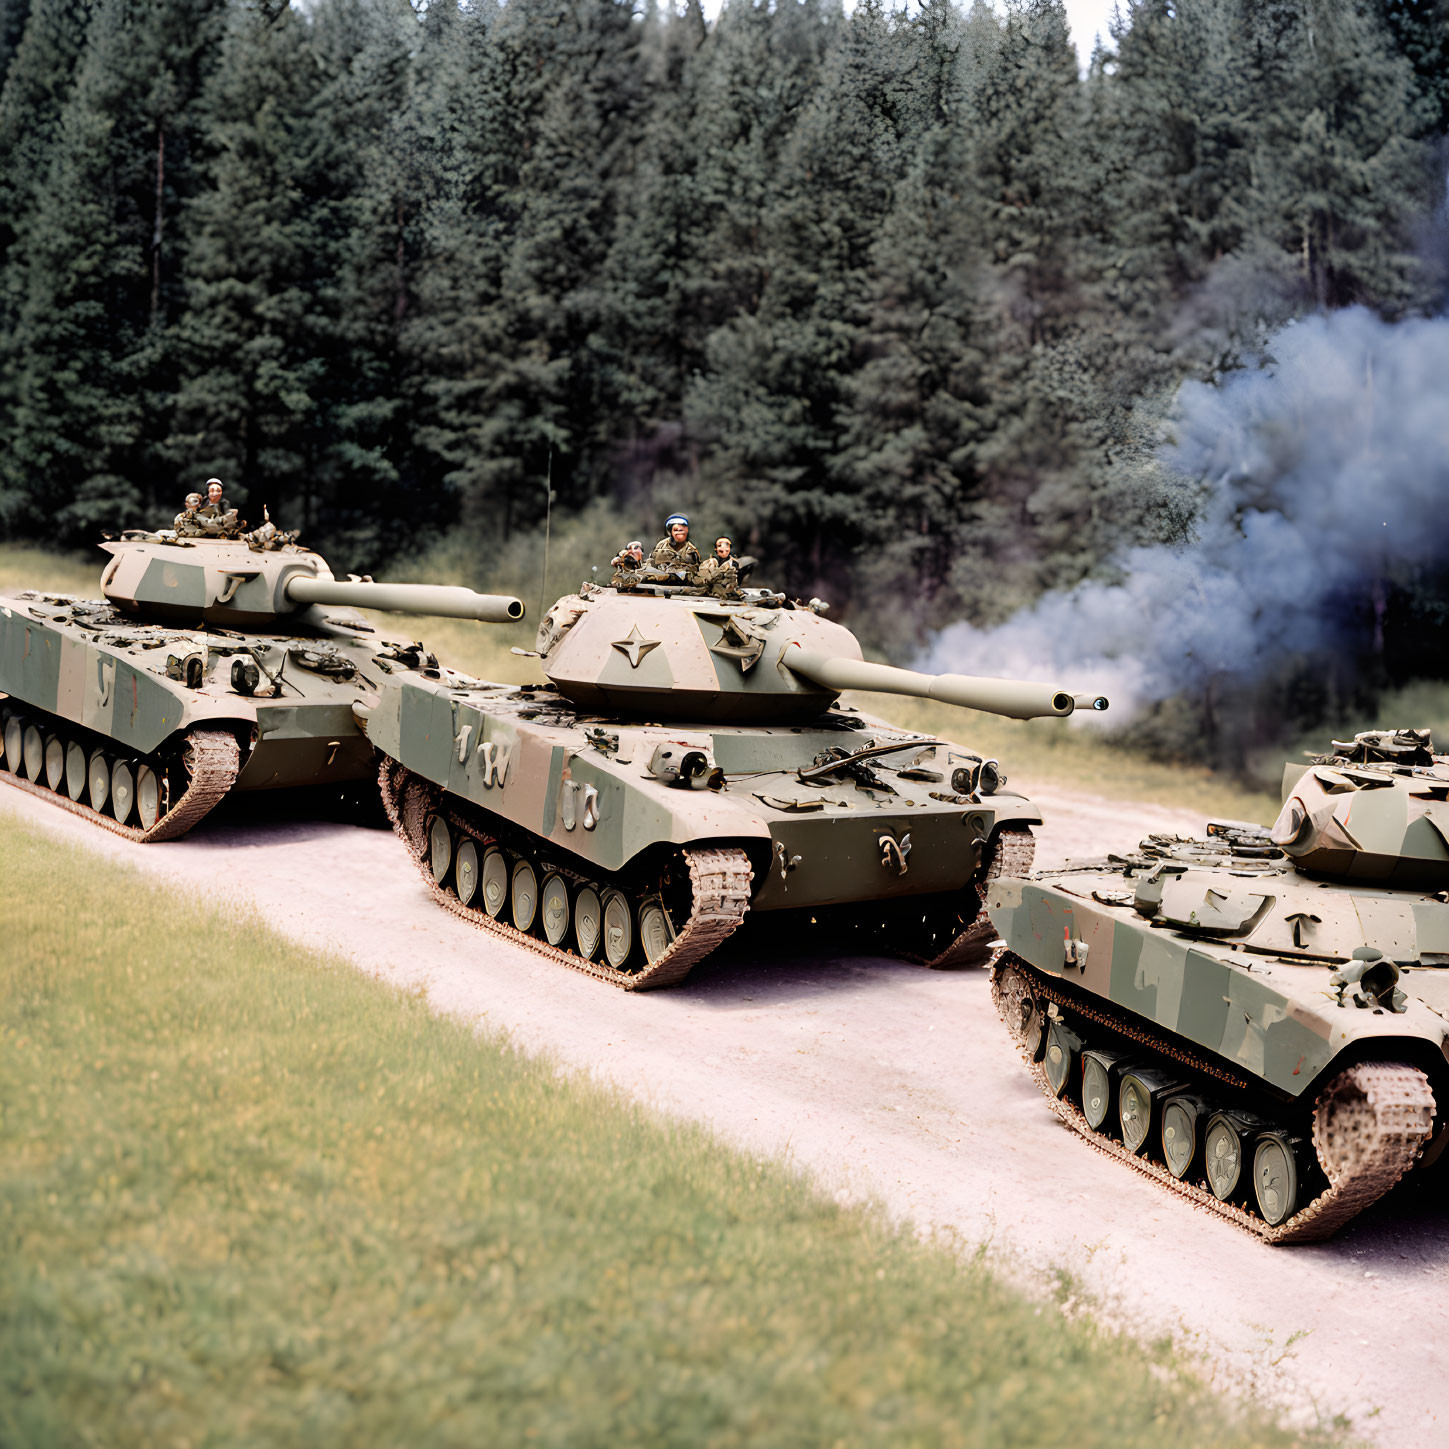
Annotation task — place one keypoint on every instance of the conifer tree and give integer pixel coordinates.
(37, 81)
(655, 275)
(364, 470)
(547, 99)
(259, 333)
(770, 401)
(1353, 178)
(91, 374)
(13, 15)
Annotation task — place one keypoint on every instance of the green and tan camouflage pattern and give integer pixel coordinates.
(1237, 956)
(48, 660)
(205, 580)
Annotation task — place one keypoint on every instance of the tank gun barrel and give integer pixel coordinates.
(1013, 698)
(447, 600)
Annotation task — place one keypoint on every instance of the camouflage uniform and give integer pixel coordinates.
(627, 568)
(669, 559)
(718, 576)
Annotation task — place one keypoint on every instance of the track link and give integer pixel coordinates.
(719, 881)
(1369, 1123)
(211, 758)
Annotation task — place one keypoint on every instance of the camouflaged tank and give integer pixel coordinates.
(211, 664)
(1258, 1020)
(689, 762)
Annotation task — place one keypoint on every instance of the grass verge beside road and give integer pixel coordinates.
(248, 1195)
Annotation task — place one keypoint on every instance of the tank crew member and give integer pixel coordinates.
(719, 574)
(216, 515)
(186, 519)
(674, 554)
(628, 563)
(216, 503)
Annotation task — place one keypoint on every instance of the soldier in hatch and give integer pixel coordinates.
(216, 503)
(674, 554)
(719, 574)
(216, 515)
(186, 520)
(628, 565)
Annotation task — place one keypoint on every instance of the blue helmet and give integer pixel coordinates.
(673, 519)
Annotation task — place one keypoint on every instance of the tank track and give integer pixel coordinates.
(211, 759)
(719, 881)
(1011, 854)
(1369, 1123)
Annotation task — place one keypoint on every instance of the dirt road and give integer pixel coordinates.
(891, 1082)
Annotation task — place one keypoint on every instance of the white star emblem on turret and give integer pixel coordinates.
(635, 647)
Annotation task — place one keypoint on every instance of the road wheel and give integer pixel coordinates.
(98, 778)
(148, 796)
(618, 929)
(555, 901)
(655, 933)
(33, 753)
(1134, 1112)
(1275, 1178)
(440, 848)
(495, 881)
(75, 770)
(465, 871)
(55, 762)
(588, 922)
(525, 895)
(1223, 1148)
(1096, 1090)
(123, 790)
(1063, 1046)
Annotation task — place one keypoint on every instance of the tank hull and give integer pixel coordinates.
(593, 797)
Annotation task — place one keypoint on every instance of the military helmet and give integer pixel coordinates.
(673, 519)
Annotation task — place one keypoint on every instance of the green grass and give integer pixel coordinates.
(249, 1196)
(23, 566)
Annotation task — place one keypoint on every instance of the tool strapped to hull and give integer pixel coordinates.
(719, 883)
(1369, 1122)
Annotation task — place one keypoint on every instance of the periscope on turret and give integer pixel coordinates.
(1259, 1020)
(688, 762)
(215, 660)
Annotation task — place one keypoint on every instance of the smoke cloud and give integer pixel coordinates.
(1326, 466)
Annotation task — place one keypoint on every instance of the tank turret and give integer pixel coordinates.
(1373, 809)
(249, 585)
(758, 660)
